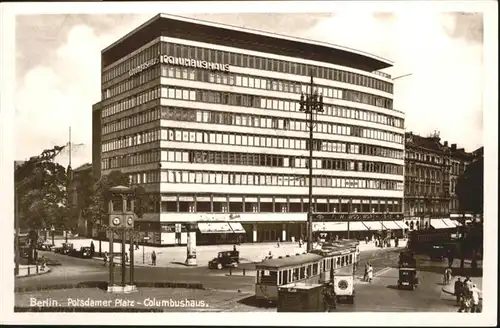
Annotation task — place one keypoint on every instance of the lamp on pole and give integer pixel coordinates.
(401, 76)
(310, 103)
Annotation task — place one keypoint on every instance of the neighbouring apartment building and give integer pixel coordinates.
(432, 169)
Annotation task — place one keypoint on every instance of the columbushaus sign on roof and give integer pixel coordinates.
(188, 62)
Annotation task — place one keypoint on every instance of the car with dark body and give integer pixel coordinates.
(83, 252)
(67, 248)
(225, 259)
(437, 252)
(407, 278)
(44, 246)
(407, 270)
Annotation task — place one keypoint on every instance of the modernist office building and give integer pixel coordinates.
(206, 117)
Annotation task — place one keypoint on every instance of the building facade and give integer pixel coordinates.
(80, 176)
(427, 180)
(432, 170)
(206, 117)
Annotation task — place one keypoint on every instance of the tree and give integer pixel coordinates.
(96, 211)
(41, 190)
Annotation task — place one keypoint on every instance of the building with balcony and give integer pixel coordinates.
(206, 117)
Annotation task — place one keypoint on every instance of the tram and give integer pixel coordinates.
(316, 267)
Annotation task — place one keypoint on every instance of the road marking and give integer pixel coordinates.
(381, 272)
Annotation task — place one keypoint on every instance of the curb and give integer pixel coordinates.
(47, 270)
(104, 285)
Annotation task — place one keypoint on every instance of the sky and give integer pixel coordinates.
(57, 68)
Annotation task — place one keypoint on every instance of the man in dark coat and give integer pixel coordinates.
(458, 289)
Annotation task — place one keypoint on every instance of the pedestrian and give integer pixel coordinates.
(458, 290)
(92, 248)
(467, 285)
(234, 248)
(475, 299)
(42, 263)
(278, 243)
(105, 258)
(365, 277)
(126, 257)
(447, 276)
(450, 261)
(300, 242)
(153, 258)
(136, 246)
(396, 241)
(370, 272)
(464, 304)
(366, 240)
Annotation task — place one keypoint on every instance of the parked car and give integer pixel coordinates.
(44, 246)
(67, 248)
(83, 252)
(57, 249)
(225, 259)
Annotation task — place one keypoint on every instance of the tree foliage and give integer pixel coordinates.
(41, 192)
(470, 187)
(96, 211)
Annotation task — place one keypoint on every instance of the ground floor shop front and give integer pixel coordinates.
(210, 229)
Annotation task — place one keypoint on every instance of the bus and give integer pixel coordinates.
(317, 267)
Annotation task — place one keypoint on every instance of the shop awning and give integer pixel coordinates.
(237, 227)
(391, 225)
(214, 227)
(329, 226)
(357, 226)
(449, 223)
(373, 225)
(438, 224)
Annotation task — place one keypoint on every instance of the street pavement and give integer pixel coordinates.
(176, 256)
(235, 293)
(75, 270)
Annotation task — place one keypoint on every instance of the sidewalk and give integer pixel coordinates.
(31, 270)
(249, 253)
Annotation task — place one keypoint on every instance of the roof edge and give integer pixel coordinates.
(146, 23)
(385, 61)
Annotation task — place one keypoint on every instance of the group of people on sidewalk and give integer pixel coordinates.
(153, 258)
(467, 295)
(368, 277)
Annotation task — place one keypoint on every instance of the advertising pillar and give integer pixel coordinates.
(191, 245)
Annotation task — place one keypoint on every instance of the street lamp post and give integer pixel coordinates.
(348, 224)
(52, 232)
(309, 104)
